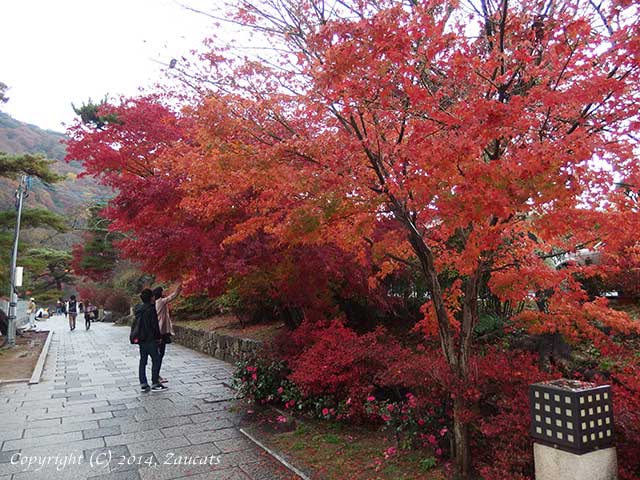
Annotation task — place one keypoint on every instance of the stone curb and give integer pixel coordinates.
(275, 455)
(13, 380)
(37, 371)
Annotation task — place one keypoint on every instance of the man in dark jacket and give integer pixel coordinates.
(146, 333)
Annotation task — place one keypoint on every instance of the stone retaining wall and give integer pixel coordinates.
(223, 347)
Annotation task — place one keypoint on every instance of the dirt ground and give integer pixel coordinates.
(19, 362)
(230, 325)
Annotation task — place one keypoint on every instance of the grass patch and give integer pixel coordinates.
(332, 451)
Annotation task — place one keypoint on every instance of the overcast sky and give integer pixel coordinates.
(54, 52)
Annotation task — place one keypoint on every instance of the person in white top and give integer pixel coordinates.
(31, 310)
(164, 319)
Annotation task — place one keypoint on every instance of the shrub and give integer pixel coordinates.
(338, 363)
(117, 302)
(260, 379)
(92, 292)
(413, 425)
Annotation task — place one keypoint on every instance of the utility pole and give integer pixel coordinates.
(13, 297)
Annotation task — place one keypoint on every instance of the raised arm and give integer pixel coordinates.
(176, 292)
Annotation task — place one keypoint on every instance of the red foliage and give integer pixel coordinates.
(624, 378)
(90, 270)
(117, 302)
(94, 293)
(334, 360)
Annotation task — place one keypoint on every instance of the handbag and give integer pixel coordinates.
(135, 332)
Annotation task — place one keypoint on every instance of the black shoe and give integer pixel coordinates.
(158, 387)
(145, 388)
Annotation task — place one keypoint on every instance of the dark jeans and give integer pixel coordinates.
(161, 349)
(149, 349)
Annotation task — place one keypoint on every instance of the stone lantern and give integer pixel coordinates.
(573, 431)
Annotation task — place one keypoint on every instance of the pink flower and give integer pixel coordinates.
(280, 390)
(282, 419)
(420, 422)
(325, 412)
(254, 376)
(390, 408)
(390, 452)
(348, 402)
(438, 451)
(443, 431)
(432, 439)
(371, 398)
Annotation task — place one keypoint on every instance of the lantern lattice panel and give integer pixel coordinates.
(571, 415)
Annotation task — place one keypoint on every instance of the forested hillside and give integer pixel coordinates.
(69, 197)
(46, 240)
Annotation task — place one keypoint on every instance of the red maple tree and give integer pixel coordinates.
(476, 141)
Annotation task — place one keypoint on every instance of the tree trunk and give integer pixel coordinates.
(461, 441)
(455, 352)
(461, 368)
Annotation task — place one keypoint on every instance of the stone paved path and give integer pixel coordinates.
(88, 412)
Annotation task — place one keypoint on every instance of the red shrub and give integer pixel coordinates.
(338, 362)
(625, 384)
(117, 302)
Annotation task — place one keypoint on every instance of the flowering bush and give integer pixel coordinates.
(262, 379)
(411, 425)
(265, 381)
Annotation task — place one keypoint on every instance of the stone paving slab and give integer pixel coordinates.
(60, 428)
(88, 419)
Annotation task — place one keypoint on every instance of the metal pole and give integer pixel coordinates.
(13, 297)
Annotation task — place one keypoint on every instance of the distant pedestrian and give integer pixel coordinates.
(164, 319)
(145, 332)
(87, 316)
(59, 304)
(31, 311)
(72, 308)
